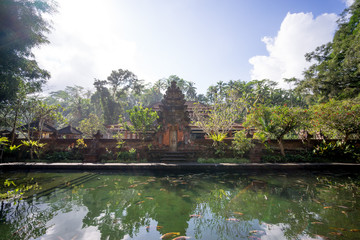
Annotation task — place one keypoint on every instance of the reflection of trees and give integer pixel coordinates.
(29, 218)
(112, 212)
(230, 206)
(296, 205)
(128, 205)
(25, 220)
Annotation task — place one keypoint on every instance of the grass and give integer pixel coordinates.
(223, 160)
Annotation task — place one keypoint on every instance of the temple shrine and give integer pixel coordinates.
(174, 120)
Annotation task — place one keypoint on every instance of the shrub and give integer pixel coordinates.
(290, 158)
(339, 151)
(241, 144)
(220, 149)
(108, 155)
(62, 156)
(127, 155)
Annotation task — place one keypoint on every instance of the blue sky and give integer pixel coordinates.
(204, 41)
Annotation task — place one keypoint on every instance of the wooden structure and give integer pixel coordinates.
(36, 128)
(69, 132)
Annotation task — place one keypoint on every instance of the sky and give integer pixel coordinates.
(203, 41)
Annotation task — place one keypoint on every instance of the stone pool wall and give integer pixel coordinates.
(202, 147)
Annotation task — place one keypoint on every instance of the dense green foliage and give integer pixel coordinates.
(275, 122)
(337, 119)
(336, 71)
(338, 151)
(324, 103)
(143, 120)
(22, 27)
(218, 119)
(91, 125)
(241, 143)
(75, 101)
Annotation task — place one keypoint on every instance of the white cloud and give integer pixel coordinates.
(86, 43)
(349, 2)
(299, 33)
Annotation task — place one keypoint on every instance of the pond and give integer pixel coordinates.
(206, 205)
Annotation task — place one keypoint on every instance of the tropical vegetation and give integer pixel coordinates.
(325, 102)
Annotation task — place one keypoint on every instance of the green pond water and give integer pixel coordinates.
(216, 205)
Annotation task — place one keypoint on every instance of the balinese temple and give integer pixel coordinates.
(195, 132)
(175, 114)
(174, 120)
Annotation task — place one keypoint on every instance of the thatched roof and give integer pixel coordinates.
(69, 130)
(35, 126)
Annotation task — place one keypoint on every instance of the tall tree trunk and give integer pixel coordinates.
(1, 152)
(281, 147)
(31, 153)
(14, 128)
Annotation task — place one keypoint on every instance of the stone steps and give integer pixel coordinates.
(175, 157)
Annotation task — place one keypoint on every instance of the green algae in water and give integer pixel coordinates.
(200, 206)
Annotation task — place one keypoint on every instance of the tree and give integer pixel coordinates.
(151, 95)
(121, 91)
(187, 87)
(121, 81)
(34, 114)
(275, 122)
(75, 101)
(218, 119)
(212, 94)
(125, 89)
(143, 120)
(22, 27)
(201, 98)
(110, 108)
(337, 118)
(91, 125)
(10, 111)
(256, 92)
(190, 91)
(336, 71)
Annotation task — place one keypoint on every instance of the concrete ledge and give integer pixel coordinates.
(183, 166)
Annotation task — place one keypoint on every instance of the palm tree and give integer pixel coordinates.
(190, 91)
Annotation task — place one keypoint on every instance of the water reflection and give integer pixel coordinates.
(200, 206)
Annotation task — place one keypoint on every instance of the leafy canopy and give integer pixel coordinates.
(336, 71)
(22, 27)
(337, 118)
(275, 122)
(91, 125)
(142, 120)
(218, 119)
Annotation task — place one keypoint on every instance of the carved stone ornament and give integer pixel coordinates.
(173, 108)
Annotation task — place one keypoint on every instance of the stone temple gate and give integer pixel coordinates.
(173, 138)
(174, 120)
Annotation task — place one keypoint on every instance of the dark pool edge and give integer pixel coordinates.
(181, 166)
